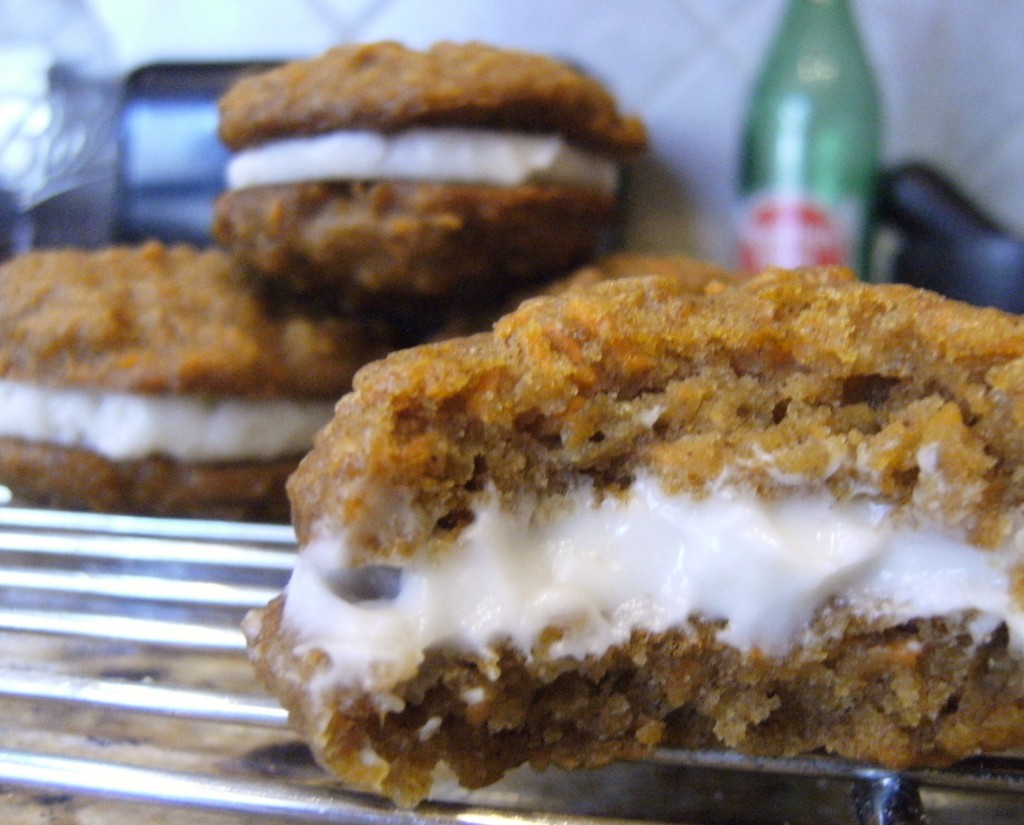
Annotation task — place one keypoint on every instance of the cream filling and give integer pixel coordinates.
(439, 155)
(651, 561)
(124, 426)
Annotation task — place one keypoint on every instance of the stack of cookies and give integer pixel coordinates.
(376, 197)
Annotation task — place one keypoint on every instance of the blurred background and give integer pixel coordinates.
(951, 76)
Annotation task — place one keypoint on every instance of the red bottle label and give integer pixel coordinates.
(793, 231)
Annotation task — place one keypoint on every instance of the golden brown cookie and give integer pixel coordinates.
(160, 375)
(432, 248)
(387, 87)
(782, 517)
(413, 180)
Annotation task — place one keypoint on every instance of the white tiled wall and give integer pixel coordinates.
(951, 75)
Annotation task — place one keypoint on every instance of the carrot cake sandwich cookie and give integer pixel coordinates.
(153, 379)
(381, 174)
(780, 517)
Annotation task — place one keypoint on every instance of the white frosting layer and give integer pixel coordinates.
(449, 155)
(123, 426)
(651, 561)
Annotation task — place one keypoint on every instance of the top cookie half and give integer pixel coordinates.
(158, 319)
(796, 381)
(386, 87)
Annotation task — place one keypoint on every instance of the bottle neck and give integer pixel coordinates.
(817, 46)
(831, 10)
(816, 18)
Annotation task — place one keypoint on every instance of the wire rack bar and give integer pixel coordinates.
(112, 525)
(247, 796)
(132, 587)
(155, 632)
(120, 547)
(146, 698)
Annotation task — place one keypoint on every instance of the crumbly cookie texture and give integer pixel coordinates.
(386, 87)
(797, 382)
(170, 319)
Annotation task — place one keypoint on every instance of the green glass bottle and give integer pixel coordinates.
(811, 145)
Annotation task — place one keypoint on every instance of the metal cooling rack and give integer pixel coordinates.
(124, 687)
